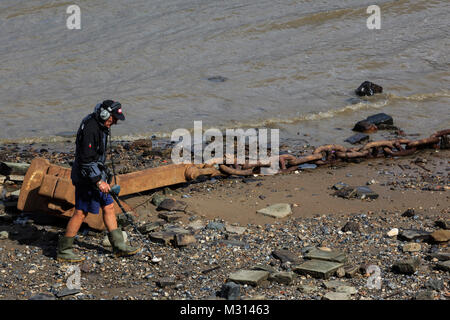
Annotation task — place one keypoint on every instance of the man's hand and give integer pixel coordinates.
(103, 186)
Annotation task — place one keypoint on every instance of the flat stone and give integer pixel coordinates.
(444, 266)
(196, 225)
(357, 138)
(67, 292)
(441, 235)
(336, 296)
(347, 290)
(235, 229)
(333, 284)
(282, 277)
(170, 216)
(285, 255)
(441, 256)
(149, 227)
(333, 256)
(264, 268)
(317, 268)
(279, 210)
(172, 205)
(182, 240)
(412, 235)
(251, 277)
(408, 266)
(412, 247)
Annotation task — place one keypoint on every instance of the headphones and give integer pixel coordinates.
(105, 113)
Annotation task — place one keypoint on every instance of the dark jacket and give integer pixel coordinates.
(90, 154)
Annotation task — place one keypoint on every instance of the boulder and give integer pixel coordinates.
(368, 88)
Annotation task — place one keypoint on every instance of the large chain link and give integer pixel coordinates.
(332, 153)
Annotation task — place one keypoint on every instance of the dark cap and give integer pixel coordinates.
(115, 108)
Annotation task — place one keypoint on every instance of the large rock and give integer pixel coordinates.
(251, 277)
(368, 88)
(279, 210)
(317, 268)
(408, 266)
(441, 235)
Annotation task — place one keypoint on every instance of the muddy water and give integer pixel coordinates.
(291, 65)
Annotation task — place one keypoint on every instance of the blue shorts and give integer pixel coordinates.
(90, 199)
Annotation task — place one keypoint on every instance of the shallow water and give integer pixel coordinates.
(291, 65)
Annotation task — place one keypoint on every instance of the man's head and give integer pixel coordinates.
(110, 112)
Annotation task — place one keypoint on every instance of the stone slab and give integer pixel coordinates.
(333, 256)
(251, 277)
(318, 268)
(278, 210)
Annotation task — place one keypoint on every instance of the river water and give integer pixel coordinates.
(291, 65)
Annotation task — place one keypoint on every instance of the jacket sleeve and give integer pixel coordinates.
(87, 152)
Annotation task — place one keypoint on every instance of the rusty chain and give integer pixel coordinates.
(327, 154)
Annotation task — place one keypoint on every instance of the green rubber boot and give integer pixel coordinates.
(64, 252)
(121, 249)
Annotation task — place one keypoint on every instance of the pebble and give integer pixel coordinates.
(4, 235)
(393, 232)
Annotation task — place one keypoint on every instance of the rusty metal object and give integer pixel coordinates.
(48, 188)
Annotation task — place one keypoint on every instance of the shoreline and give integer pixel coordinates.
(229, 236)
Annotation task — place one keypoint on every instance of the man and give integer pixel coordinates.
(90, 178)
